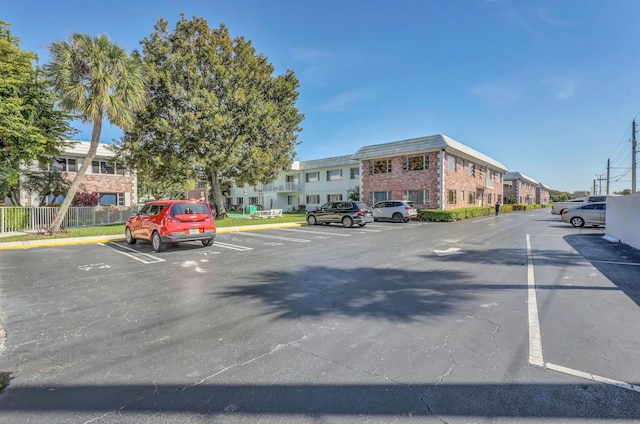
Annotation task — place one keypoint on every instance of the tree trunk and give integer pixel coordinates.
(75, 185)
(218, 198)
(14, 197)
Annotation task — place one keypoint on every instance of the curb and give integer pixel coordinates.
(14, 245)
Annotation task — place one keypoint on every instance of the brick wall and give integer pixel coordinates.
(105, 183)
(459, 180)
(399, 180)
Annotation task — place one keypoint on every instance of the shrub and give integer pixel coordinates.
(15, 219)
(86, 199)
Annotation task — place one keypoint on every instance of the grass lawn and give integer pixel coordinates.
(111, 229)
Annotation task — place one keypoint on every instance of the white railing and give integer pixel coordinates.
(17, 219)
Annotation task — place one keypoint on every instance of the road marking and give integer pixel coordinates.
(614, 263)
(315, 232)
(89, 267)
(450, 251)
(535, 339)
(592, 377)
(297, 240)
(232, 246)
(137, 255)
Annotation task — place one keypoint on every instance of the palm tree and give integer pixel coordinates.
(94, 79)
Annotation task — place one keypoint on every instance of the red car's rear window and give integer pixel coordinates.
(190, 209)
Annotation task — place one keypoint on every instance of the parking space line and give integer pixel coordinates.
(135, 255)
(232, 246)
(535, 339)
(593, 377)
(315, 232)
(267, 236)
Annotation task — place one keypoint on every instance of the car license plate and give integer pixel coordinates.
(194, 231)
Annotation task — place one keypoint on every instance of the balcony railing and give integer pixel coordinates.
(282, 187)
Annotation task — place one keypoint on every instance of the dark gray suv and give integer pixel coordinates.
(346, 212)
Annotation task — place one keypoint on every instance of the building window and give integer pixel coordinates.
(66, 165)
(202, 184)
(471, 169)
(312, 177)
(334, 197)
(253, 200)
(379, 196)
(451, 163)
(240, 201)
(489, 199)
(354, 173)
(416, 163)
(472, 198)
(313, 198)
(381, 166)
(418, 197)
(111, 199)
(451, 197)
(334, 175)
(104, 167)
(292, 200)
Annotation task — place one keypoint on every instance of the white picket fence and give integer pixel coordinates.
(17, 219)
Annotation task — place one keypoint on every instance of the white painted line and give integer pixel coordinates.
(535, 340)
(231, 246)
(592, 377)
(484, 219)
(315, 232)
(136, 254)
(267, 236)
(450, 251)
(615, 263)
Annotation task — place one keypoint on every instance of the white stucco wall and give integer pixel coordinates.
(623, 219)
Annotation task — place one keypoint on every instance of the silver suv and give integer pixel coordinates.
(394, 210)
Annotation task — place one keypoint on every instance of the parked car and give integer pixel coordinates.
(394, 210)
(172, 221)
(589, 214)
(345, 212)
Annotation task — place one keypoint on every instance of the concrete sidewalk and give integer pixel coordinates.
(105, 239)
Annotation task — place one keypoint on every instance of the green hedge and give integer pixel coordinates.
(434, 215)
(15, 219)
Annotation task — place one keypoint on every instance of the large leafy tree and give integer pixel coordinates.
(31, 127)
(215, 108)
(96, 80)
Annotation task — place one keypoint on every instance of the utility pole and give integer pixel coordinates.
(608, 168)
(634, 145)
(594, 186)
(600, 180)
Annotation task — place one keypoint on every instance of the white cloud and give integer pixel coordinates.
(550, 19)
(563, 88)
(344, 101)
(309, 55)
(498, 94)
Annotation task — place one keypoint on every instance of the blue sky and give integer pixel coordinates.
(548, 88)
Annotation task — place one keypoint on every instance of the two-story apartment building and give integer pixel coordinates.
(434, 172)
(114, 184)
(524, 189)
(309, 183)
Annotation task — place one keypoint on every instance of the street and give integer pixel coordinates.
(511, 319)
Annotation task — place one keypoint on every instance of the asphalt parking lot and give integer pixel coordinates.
(516, 318)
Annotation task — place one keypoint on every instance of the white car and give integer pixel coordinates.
(589, 214)
(394, 210)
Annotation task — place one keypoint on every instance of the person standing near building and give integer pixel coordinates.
(497, 208)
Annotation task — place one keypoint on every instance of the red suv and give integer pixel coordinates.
(171, 221)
